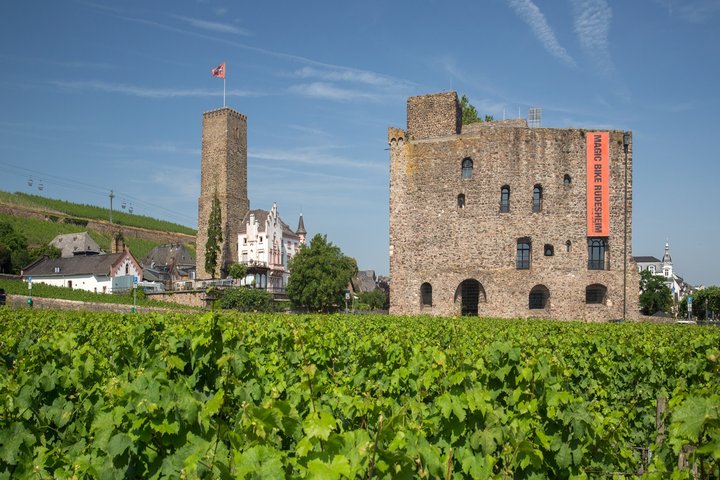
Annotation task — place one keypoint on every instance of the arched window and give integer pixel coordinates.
(567, 180)
(537, 199)
(461, 200)
(548, 250)
(467, 167)
(538, 297)
(522, 259)
(568, 246)
(596, 254)
(595, 294)
(426, 295)
(651, 268)
(505, 199)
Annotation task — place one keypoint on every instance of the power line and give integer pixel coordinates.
(87, 187)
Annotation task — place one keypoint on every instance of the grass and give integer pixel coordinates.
(92, 212)
(18, 287)
(41, 232)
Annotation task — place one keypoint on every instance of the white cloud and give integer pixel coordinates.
(146, 92)
(212, 26)
(698, 11)
(315, 157)
(330, 92)
(592, 24)
(349, 75)
(532, 15)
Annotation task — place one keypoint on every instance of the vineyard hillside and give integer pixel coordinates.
(40, 219)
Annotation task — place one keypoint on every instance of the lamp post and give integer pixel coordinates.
(626, 145)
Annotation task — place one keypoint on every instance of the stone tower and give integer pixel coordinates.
(223, 173)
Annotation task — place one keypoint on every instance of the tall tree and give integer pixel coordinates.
(655, 295)
(705, 302)
(319, 274)
(214, 237)
(470, 113)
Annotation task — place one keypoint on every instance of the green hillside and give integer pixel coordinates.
(66, 217)
(91, 212)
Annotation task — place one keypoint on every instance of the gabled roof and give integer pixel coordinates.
(99, 265)
(261, 219)
(172, 254)
(75, 244)
(646, 260)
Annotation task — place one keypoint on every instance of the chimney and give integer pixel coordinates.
(118, 243)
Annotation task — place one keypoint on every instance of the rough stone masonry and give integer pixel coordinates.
(453, 248)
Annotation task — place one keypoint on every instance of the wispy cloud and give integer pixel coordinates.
(698, 11)
(350, 75)
(592, 24)
(329, 91)
(212, 26)
(532, 15)
(146, 92)
(158, 147)
(315, 157)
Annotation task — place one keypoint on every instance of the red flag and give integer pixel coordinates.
(219, 71)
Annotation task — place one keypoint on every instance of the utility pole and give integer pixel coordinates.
(112, 195)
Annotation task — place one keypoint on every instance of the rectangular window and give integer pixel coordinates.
(522, 260)
(596, 254)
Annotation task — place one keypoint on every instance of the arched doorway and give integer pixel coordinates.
(470, 293)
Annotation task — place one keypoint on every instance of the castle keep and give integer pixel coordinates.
(498, 219)
(223, 173)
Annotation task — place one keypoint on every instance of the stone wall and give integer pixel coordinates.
(432, 116)
(433, 240)
(223, 173)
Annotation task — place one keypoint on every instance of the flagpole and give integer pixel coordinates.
(224, 78)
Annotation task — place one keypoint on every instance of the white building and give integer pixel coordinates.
(95, 273)
(266, 245)
(664, 268)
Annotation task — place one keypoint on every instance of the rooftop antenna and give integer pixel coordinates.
(534, 117)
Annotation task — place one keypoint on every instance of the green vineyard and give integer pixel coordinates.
(282, 396)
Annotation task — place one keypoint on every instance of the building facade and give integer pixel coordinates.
(223, 174)
(102, 273)
(266, 245)
(498, 219)
(664, 268)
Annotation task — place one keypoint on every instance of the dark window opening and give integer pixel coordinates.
(461, 200)
(470, 293)
(596, 254)
(595, 294)
(467, 168)
(549, 250)
(426, 294)
(568, 246)
(538, 298)
(505, 199)
(522, 260)
(567, 180)
(537, 199)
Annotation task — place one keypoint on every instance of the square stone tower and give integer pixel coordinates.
(223, 173)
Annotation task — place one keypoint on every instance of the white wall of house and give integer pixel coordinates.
(91, 283)
(267, 246)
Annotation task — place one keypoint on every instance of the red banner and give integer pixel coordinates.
(598, 184)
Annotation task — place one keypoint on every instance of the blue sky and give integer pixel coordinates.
(100, 95)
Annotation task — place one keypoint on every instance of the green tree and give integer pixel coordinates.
(374, 300)
(655, 295)
(16, 244)
(237, 270)
(705, 302)
(319, 275)
(214, 237)
(50, 250)
(470, 113)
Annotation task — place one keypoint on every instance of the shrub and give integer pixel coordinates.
(247, 299)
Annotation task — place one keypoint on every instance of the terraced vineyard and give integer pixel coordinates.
(273, 396)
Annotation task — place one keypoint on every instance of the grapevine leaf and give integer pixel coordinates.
(319, 426)
(260, 462)
(563, 457)
(340, 466)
